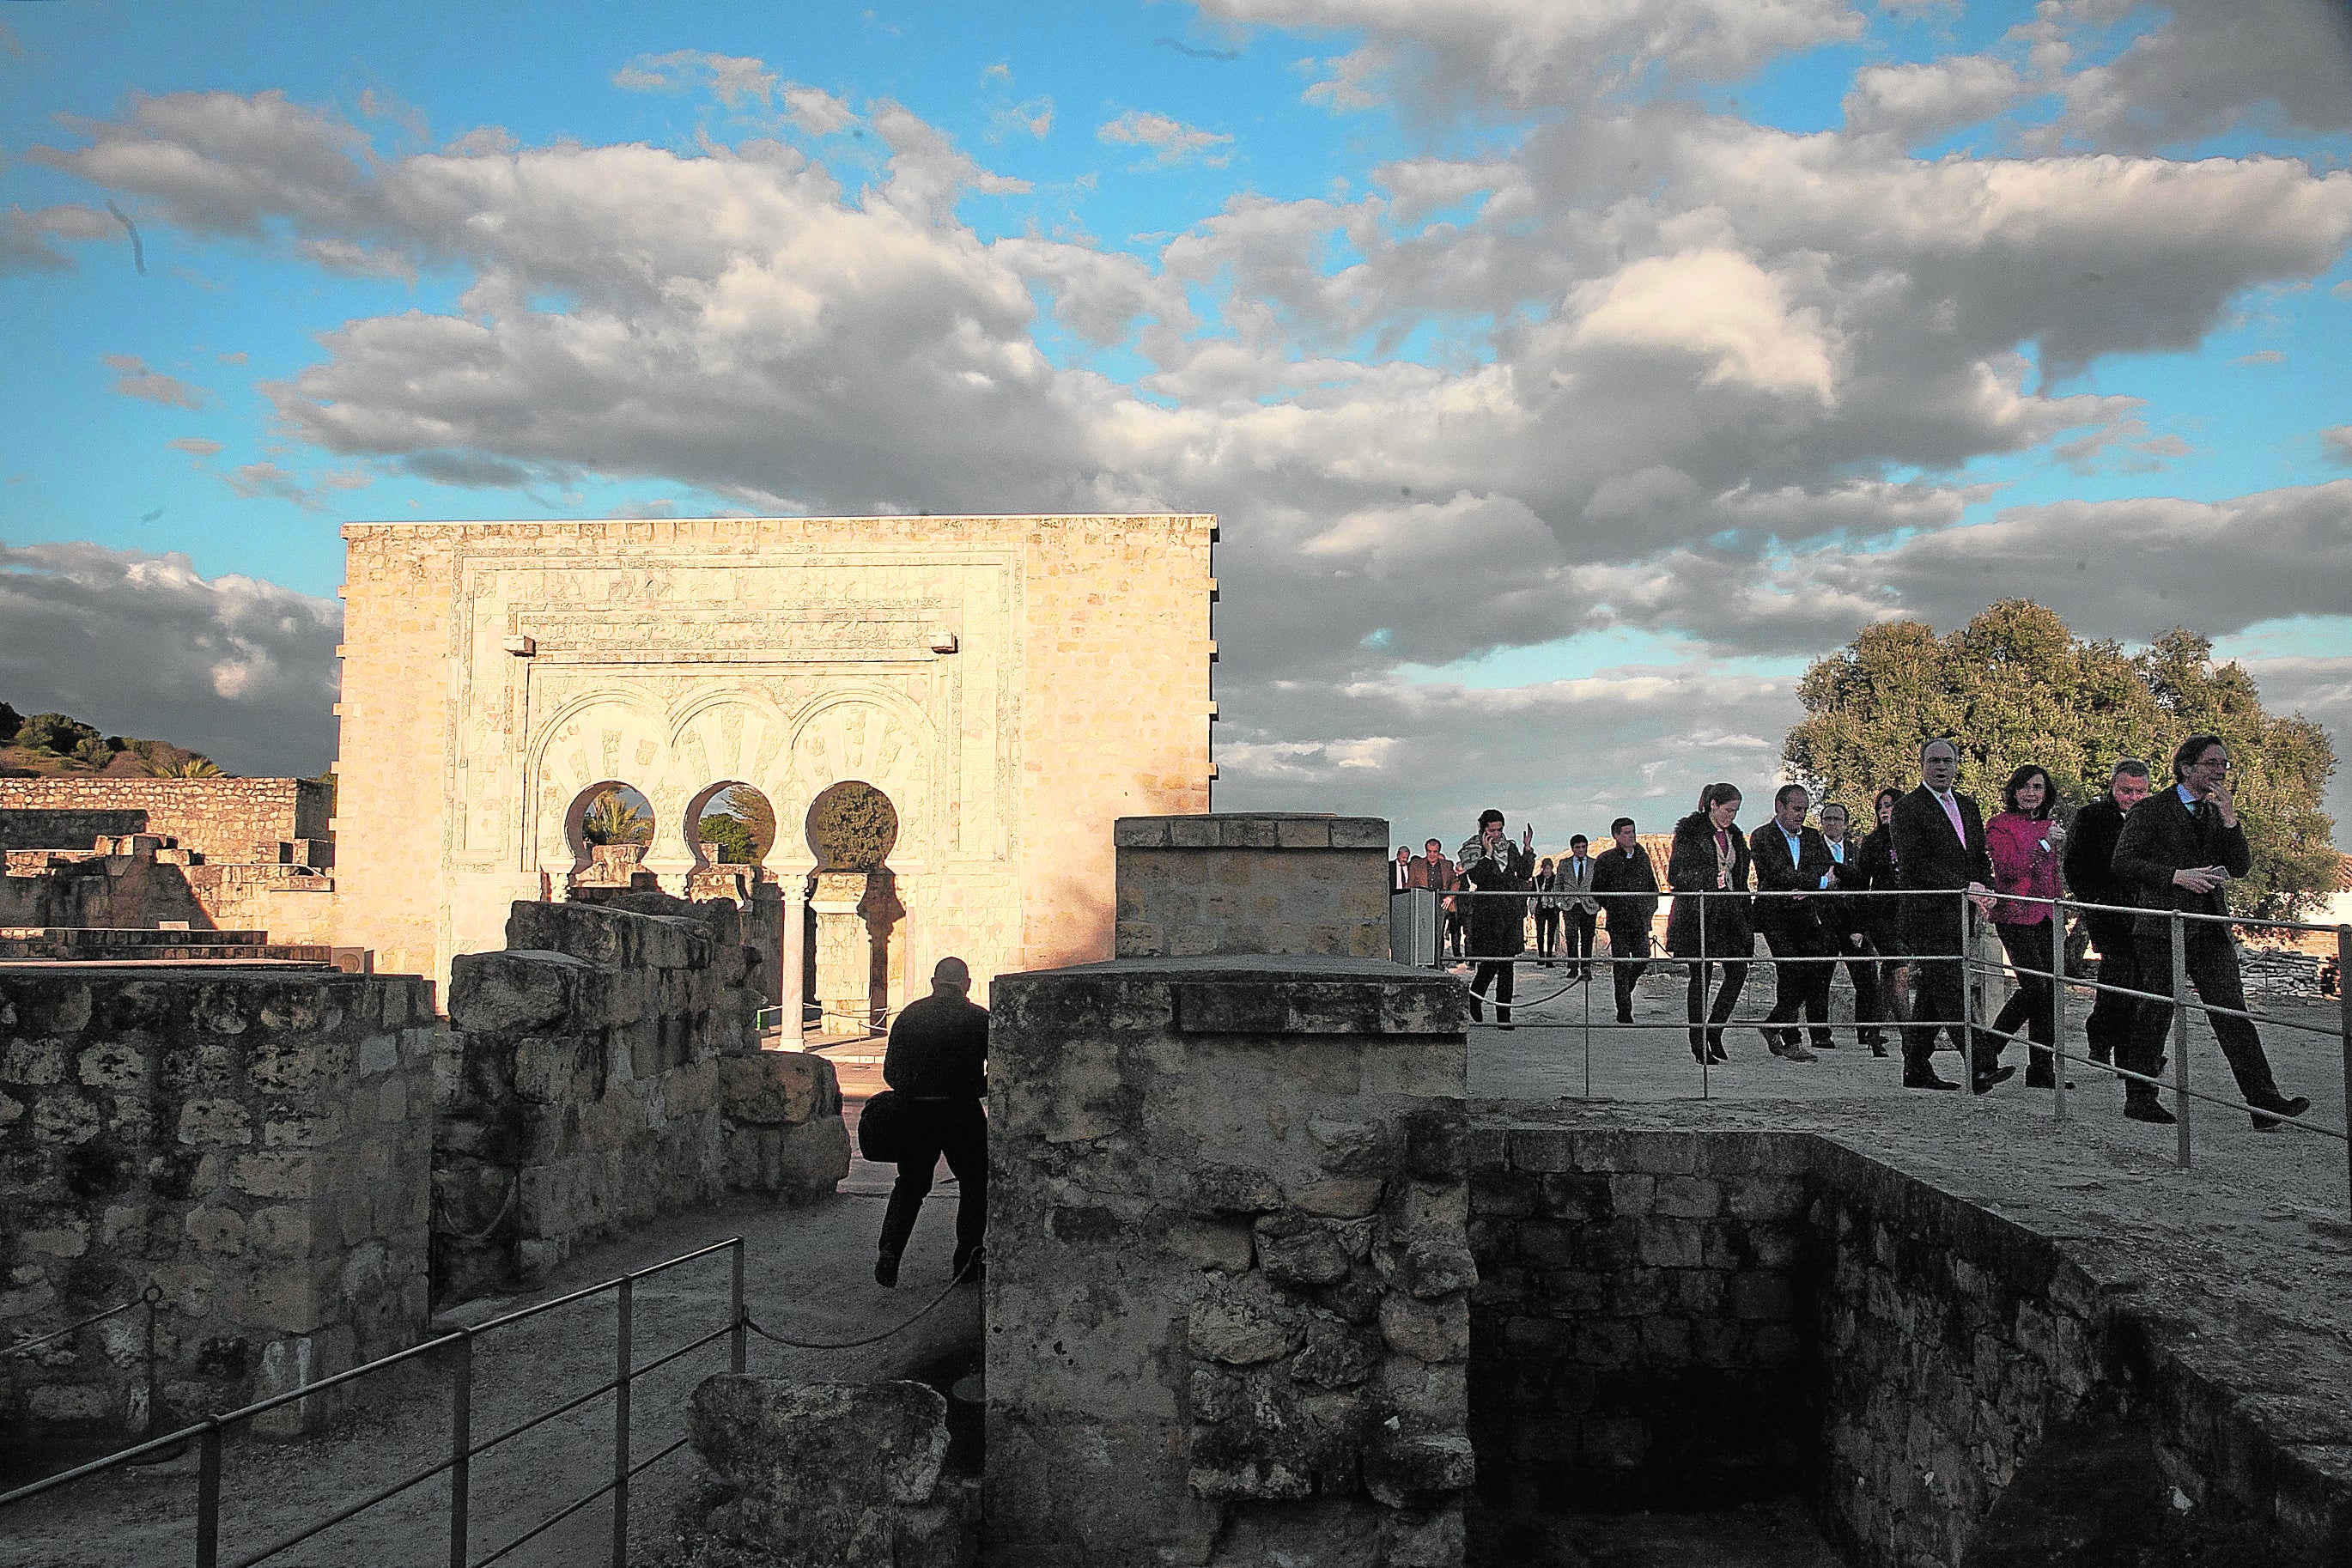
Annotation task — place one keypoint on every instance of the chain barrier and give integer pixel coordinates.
(772, 1338)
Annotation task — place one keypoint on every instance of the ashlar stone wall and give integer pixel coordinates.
(1252, 883)
(224, 819)
(254, 1143)
(602, 1070)
(1228, 1287)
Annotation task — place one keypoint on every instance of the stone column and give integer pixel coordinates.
(1228, 1275)
(792, 997)
(844, 951)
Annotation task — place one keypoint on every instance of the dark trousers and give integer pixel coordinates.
(1862, 968)
(2212, 959)
(2109, 1027)
(1581, 924)
(1457, 931)
(1547, 931)
(1501, 974)
(1804, 987)
(1632, 941)
(958, 1128)
(1727, 998)
(2029, 950)
(1940, 994)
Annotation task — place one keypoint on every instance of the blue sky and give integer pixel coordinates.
(1394, 295)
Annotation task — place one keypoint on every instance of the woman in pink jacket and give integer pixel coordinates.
(2025, 843)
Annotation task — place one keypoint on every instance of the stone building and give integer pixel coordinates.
(1007, 685)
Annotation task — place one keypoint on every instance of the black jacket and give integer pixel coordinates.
(2089, 865)
(1926, 856)
(1627, 887)
(1842, 916)
(1882, 917)
(1784, 918)
(939, 1050)
(2160, 837)
(1690, 869)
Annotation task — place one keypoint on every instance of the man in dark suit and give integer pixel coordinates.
(1452, 924)
(2090, 877)
(1627, 886)
(1846, 921)
(2177, 850)
(1793, 867)
(1939, 857)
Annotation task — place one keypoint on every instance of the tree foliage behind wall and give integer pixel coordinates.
(2014, 686)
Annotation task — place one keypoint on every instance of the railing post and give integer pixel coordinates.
(461, 1443)
(2343, 1013)
(2058, 1007)
(1588, 1014)
(153, 1296)
(209, 1469)
(621, 1430)
(2180, 1032)
(738, 1342)
(1968, 994)
(1706, 990)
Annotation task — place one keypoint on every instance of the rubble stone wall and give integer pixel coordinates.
(602, 1071)
(221, 819)
(1228, 1286)
(1252, 883)
(255, 1144)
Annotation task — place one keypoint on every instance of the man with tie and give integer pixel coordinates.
(1843, 918)
(1583, 910)
(1626, 885)
(1940, 856)
(1402, 874)
(2177, 850)
(2091, 876)
(1792, 866)
(1440, 875)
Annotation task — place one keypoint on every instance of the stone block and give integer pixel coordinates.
(1339, 1197)
(1417, 1470)
(1435, 1330)
(1242, 1322)
(872, 1443)
(508, 993)
(1207, 1244)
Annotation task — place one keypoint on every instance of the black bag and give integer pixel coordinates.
(882, 1128)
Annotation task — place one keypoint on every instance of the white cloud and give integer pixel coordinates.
(1170, 140)
(1919, 101)
(2336, 442)
(149, 386)
(1718, 306)
(141, 644)
(818, 111)
(734, 79)
(195, 446)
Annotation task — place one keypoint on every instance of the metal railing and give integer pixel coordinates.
(2179, 995)
(210, 1434)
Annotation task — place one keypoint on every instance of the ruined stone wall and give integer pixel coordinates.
(253, 1144)
(1228, 1279)
(1635, 1336)
(221, 819)
(1254, 882)
(1012, 684)
(602, 1071)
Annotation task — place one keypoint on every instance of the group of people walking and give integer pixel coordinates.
(1892, 909)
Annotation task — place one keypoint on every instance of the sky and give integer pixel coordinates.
(1566, 374)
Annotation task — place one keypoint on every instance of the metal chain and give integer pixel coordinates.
(870, 1339)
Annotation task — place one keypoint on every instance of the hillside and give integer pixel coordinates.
(53, 744)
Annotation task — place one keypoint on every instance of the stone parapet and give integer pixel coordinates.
(220, 820)
(1253, 882)
(602, 1071)
(254, 1145)
(1228, 1285)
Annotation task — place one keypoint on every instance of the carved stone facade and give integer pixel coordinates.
(1011, 684)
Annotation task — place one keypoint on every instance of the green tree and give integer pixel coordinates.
(2014, 686)
(10, 722)
(58, 733)
(614, 818)
(739, 825)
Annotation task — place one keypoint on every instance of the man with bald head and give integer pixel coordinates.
(937, 1063)
(1940, 859)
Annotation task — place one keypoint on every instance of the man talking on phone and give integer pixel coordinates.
(2177, 851)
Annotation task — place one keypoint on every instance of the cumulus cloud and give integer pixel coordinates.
(138, 381)
(141, 644)
(194, 446)
(2336, 442)
(2283, 65)
(734, 79)
(1171, 141)
(1919, 101)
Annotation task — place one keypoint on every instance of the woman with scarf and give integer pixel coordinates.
(1710, 858)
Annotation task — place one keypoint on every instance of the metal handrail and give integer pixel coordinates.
(208, 1433)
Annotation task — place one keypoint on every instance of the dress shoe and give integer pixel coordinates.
(1825, 1044)
(886, 1271)
(1795, 1052)
(2295, 1106)
(1926, 1080)
(1698, 1051)
(1982, 1082)
(1878, 1048)
(2148, 1111)
(1715, 1047)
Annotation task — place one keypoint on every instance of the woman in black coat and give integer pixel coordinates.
(1711, 856)
(1881, 913)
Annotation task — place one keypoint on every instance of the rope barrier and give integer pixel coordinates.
(773, 1337)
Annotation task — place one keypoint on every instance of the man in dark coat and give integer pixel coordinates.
(937, 1063)
(1626, 885)
(1793, 868)
(1940, 856)
(1491, 863)
(2177, 851)
(1845, 919)
(2090, 877)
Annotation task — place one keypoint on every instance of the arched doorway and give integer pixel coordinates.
(854, 943)
(730, 827)
(609, 826)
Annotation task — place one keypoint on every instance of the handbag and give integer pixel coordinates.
(882, 1129)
